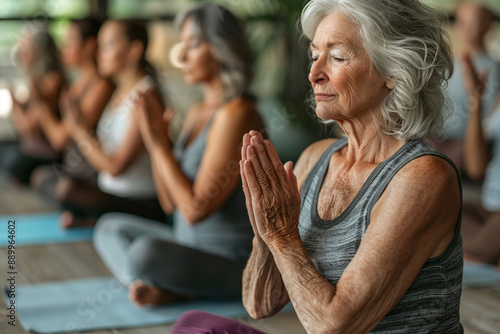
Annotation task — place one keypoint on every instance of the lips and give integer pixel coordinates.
(323, 96)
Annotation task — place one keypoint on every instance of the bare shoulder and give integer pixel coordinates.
(241, 114)
(427, 171)
(238, 106)
(309, 157)
(420, 205)
(428, 186)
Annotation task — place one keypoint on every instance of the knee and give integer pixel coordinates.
(143, 256)
(109, 225)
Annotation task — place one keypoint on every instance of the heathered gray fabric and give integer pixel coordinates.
(431, 305)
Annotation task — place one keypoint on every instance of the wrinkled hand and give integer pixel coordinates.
(153, 122)
(474, 82)
(271, 191)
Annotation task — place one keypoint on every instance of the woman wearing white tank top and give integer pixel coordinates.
(125, 182)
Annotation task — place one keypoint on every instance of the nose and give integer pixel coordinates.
(317, 74)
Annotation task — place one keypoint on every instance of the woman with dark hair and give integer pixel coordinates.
(89, 93)
(116, 151)
(38, 58)
(196, 177)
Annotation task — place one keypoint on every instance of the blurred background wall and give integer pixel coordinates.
(281, 58)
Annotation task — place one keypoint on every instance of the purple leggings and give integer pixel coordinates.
(199, 322)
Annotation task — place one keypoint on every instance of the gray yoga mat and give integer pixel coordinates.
(100, 303)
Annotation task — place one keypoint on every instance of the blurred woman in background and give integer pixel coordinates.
(481, 221)
(125, 182)
(197, 178)
(89, 93)
(39, 59)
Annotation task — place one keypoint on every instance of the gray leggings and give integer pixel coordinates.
(136, 248)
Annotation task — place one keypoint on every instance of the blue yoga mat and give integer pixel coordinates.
(40, 228)
(100, 303)
(479, 275)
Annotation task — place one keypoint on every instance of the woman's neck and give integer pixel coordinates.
(367, 143)
(127, 78)
(213, 92)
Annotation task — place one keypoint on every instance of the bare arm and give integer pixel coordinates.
(89, 110)
(114, 163)
(218, 175)
(264, 293)
(410, 224)
(54, 129)
(94, 102)
(166, 202)
(477, 148)
(164, 198)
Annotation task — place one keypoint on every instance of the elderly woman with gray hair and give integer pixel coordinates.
(364, 234)
(197, 178)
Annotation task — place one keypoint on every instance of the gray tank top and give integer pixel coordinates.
(226, 232)
(431, 304)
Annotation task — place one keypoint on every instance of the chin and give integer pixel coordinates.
(323, 112)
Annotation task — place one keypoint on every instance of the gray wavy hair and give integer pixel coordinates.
(406, 43)
(225, 34)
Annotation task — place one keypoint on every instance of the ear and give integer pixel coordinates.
(136, 50)
(390, 83)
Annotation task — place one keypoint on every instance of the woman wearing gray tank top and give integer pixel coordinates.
(364, 235)
(481, 221)
(197, 178)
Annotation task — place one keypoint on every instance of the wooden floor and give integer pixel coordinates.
(480, 310)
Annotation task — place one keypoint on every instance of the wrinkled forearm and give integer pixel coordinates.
(318, 307)
(264, 293)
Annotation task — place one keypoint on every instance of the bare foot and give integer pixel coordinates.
(141, 294)
(68, 220)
